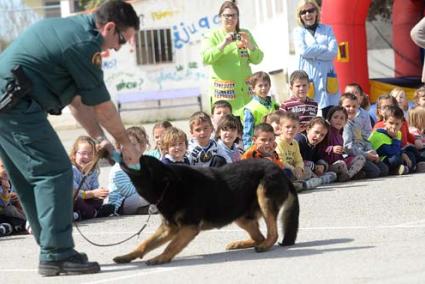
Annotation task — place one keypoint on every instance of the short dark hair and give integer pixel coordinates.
(334, 110)
(263, 127)
(119, 12)
(219, 104)
(298, 75)
(393, 111)
(229, 121)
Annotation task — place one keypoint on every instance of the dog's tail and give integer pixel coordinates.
(290, 217)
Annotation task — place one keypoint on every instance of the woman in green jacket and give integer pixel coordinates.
(230, 50)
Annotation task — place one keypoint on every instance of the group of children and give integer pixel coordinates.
(350, 143)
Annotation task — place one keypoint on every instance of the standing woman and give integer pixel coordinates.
(230, 50)
(316, 48)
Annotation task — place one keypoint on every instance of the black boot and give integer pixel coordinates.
(76, 264)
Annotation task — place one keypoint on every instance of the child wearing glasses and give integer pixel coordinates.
(88, 195)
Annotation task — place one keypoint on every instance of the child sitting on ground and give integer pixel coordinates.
(288, 148)
(12, 218)
(226, 135)
(264, 145)
(218, 110)
(315, 167)
(260, 105)
(299, 103)
(203, 151)
(400, 95)
(88, 195)
(345, 166)
(123, 195)
(274, 120)
(157, 131)
(417, 128)
(387, 141)
(174, 147)
(362, 117)
(419, 96)
(355, 142)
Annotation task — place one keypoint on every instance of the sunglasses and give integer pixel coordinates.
(121, 38)
(310, 11)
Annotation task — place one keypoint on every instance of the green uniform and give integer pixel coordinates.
(230, 69)
(62, 59)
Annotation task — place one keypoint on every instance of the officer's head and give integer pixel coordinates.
(117, 22)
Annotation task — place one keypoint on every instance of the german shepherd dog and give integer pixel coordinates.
(194, 199)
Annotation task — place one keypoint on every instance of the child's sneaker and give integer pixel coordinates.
(28, 228)
(76, 216)
(312, 183)
(402, 170)
(344, 176)
(298, 185)
(420, 167)
(5, 229)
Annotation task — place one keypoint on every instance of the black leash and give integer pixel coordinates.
(130, 237)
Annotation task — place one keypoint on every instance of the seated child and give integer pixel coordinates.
(363, 118)
(218, 110)
(355, 142)
(387, 141)
(226, 135)
(274, 120)
(345, 166)
(260, 105)
(417, 128)
(203, 151)
(174, 147)
(419, 97)
(157, 130)
(264, 145)
(12, 218)
(408, 141)
(299, 103)
(88, 195)
(288, 148)
(123, 195)
(315, 167)
(400, 96)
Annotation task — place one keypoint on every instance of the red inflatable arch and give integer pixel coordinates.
(348, 17)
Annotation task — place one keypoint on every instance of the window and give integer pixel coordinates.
(154, 46)
(52, 8)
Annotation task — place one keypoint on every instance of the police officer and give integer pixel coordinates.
(59, 64)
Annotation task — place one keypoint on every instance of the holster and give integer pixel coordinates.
(16, 88)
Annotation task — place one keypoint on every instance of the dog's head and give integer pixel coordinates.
(152, 178)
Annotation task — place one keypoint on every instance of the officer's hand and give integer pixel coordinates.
(131, 155)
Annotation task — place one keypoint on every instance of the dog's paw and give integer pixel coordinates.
(122, 259)
(158, 260)
(240, 245)
(262, 247)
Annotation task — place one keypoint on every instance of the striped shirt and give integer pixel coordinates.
(306, 110)
(120, 186)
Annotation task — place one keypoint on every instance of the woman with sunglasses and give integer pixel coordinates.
(316, 48)
(230, 51)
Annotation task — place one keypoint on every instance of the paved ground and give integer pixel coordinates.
(369, 231)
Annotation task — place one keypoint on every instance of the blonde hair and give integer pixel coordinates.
(301, 4)
(396, 93)
(171, 136)
(74, 149)
(417, 118)
(138, 133)
(419, 93)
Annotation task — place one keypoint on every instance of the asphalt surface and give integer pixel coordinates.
(367, 231)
